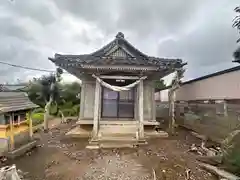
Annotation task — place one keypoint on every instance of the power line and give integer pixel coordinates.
(25, 67)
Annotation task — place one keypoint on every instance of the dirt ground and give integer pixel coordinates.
(61, 158)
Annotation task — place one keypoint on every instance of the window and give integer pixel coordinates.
(2, 119)
(15, 119)
(7, 119)
(118, 104)
(22, 117)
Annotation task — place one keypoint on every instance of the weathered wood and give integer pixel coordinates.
(30, 125)
(212, 160)
(154, 175)
(96, 110)
(121, 67)
(202, 137)
(19, 119)
(141, 118)
(21, 150)
(12, 143)
(82, 100)
(225, 108)
(120, 77)
(219, 172)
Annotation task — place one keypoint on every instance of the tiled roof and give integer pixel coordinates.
(117, 52)
(11, 87)
(15, 101)
(3, 88)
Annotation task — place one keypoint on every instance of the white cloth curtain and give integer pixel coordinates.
(119, 88)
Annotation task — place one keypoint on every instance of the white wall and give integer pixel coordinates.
(164, 95)
(224, 86)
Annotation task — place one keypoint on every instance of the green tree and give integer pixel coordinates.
(236, 24)
(45, 92)
(159, 85)
(55, 97)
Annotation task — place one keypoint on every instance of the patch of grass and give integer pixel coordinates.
(233, 161)
(37, 118)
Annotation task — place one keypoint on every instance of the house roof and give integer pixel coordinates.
(12, 87)
(236, 68)
(117, 52)
(15, 101)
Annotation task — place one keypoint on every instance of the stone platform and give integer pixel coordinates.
(117, 134)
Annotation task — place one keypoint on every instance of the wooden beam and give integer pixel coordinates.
(12, 143)
(96, 110)
(119, 77)
(30, 124)
(141, 118)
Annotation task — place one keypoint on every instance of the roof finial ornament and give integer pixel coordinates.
(120, 35)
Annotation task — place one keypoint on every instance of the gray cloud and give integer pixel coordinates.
(209, 47)
(9, 27)
(140, 17)
(38, 11)
(156, 17)
(200, 32)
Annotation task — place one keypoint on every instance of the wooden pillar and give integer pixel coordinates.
(225, 108)
(30, 125)
(153, 103)
(141, 117)
(11, 132)
(96, 110)
(82, 100)
(19, 119)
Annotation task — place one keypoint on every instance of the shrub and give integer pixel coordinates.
(68, 112)
(233, 161)
(39, 110)
(37, 118)
(76, 109)
(73, 110)
(66, 105)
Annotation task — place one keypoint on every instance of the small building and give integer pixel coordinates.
(12, 87)
(14, 127)
(117, 87)
(219, 86)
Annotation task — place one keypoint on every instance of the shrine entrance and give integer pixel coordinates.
(118, 104)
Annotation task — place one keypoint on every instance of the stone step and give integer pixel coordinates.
(117, 139)
(118, 129)
(109, 134)
(116, 145)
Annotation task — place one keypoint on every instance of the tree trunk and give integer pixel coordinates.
(46, 113)
(219, 172)
(172, 119)
(62, 116)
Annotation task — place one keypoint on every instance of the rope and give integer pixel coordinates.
(9, 173)
(118, 88)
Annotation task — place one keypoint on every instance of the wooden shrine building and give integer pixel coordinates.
(117, 87)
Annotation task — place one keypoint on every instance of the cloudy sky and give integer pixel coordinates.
(198, 31)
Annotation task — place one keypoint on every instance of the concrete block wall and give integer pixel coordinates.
(3, 145)
(207, 119)
(21, 138)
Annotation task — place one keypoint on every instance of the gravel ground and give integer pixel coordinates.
(61, 158)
